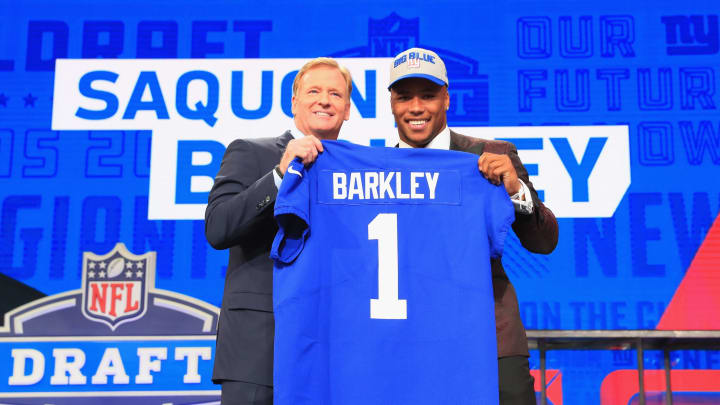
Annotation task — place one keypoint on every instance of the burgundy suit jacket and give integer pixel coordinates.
(538, 233)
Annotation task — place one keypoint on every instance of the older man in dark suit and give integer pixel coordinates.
(419, 99)
(239, 217)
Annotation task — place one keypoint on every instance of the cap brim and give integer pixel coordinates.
(421, 76)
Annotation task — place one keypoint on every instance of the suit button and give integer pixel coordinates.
(267, 198)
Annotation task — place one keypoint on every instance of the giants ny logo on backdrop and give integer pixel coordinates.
(691, 35)
(195, 107)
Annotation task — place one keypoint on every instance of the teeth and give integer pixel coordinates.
(417, 122)
(322, 114)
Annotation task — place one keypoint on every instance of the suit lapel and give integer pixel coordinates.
(477, 148)
(284, 139)
(456, 142)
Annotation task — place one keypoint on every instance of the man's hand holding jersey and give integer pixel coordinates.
(306, 148)
(499, 169)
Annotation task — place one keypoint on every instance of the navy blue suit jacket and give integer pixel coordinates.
(239, 217)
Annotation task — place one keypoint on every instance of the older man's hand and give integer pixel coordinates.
(306, 148)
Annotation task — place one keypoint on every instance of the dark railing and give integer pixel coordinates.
(665, 340)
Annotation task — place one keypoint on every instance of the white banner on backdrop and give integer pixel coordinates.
(195, 107)
(582, 171)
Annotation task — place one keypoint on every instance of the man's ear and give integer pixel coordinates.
(292, 105)
(447, 99)
(346, 114)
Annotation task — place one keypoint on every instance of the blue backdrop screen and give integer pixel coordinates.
(114, 117)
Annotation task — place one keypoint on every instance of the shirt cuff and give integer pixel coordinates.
(522, 200)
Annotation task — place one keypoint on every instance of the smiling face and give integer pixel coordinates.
(322, 102)
(419, 107)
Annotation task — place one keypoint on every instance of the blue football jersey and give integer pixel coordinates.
(382, 286)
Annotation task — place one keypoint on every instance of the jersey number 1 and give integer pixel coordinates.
(383, 228)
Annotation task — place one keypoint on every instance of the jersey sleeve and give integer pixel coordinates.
(499, 216)
(292, 214)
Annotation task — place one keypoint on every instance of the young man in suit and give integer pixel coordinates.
(239, 217)
(419, 100)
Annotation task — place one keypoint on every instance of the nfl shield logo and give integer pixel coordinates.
(391, 35)
(413, 63)
(115, 285)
